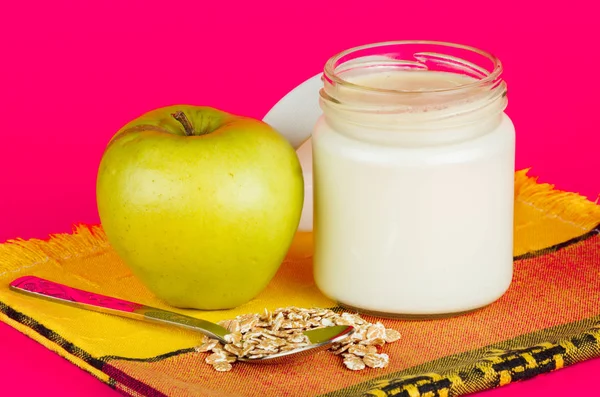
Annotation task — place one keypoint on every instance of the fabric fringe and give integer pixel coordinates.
(569, 206)
(19, 254)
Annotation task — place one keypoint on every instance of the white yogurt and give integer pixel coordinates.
(413, 209)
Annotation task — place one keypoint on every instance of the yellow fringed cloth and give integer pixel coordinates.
(549, 318)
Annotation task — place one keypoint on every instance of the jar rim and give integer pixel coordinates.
(333, 62)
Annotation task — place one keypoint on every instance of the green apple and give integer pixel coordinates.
(202, 205)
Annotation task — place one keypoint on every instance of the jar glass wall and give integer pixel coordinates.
(413, 163)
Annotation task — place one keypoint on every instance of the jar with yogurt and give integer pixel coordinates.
(413, 162)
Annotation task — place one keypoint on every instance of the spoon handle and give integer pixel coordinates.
(55, 292)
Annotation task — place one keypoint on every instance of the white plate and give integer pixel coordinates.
(294, 116)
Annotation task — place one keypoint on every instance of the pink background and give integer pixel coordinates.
(72, 72)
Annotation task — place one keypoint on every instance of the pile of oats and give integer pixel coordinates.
(259, 335)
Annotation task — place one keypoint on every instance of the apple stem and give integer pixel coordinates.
(188, 129)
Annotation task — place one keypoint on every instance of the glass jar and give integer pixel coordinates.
(413, 163)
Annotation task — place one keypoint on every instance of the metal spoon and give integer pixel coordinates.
(37, 287)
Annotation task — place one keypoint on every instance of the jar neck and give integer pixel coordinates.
(413, 126)
(425, 87)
